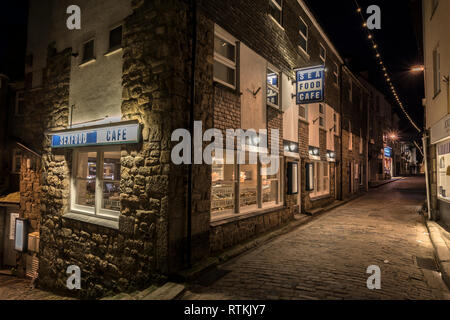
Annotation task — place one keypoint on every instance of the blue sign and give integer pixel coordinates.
(388, 152)
(108, 135)
(310, 84)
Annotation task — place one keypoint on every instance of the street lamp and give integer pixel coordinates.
(418, 69)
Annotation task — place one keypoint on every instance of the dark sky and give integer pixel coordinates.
(398, 44)
(13, 31)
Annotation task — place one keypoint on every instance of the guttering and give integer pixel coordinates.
(341, 107)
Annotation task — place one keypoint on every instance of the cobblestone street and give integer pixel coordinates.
(328, 258)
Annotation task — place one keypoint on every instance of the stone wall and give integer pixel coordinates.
(30, 191)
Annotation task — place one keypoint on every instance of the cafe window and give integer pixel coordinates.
(443, 175)
(96, 182)
(321, 178)
(273, 88)
(115, 38)
(276, 10)
(224, 60)
(258, 187)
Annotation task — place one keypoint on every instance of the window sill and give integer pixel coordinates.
(243, 216)
(326, 196)
(103, 222)
(86, 63)
(436, 94)
(276, 22)
(273, 106)
(113, 51)
(304, 52)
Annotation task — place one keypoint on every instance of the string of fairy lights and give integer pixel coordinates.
(383, 67)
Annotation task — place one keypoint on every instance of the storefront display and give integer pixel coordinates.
(443, 171)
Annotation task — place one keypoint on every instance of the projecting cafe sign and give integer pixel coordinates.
(120, 133)
(310, 84)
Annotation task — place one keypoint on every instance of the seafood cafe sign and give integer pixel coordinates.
(106, 135)
(310, 84)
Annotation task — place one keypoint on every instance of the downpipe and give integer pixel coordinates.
(427, 178)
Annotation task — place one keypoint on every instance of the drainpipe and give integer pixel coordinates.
(191, 130)
(341, 107)
(427, 178)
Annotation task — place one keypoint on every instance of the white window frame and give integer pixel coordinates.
(97, 211)
(278, 90)
(16, 154)
(306, 112)
(304, 36)
(218, 32)
(336, 73)
(324, 57)
(280, 8)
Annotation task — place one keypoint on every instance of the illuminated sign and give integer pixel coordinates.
(106, 135)
(388, 152)
(310, 84)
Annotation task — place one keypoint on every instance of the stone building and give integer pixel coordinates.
(104, 101)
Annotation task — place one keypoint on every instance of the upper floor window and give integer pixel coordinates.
(224, 60)
(436, 70)
(276, 10)
(20, 104)
(350, 90)
(303, 112)
(303, 31)
(88, 51)
(322, 53)
(273, 88)
(321, 115)
(335, 73)
(16, 161)
(115, 38)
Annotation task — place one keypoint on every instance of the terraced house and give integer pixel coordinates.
(104, 101)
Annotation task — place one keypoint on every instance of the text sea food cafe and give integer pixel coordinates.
(118, 134)
(310, 84)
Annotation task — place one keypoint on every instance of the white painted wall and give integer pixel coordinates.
(96, 89)
(253, 75)
(436, 29)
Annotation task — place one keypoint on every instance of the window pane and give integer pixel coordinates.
(303, 28)
(275, 12)
(272, 78)
(272, 96)
(115, 38)
(222, 193)
(88, 50)
(86, 172)
(303, 43)
(224, 73)
(248, 184)
(224, 48)
(302, 111)
(270, 186)
(111, 181)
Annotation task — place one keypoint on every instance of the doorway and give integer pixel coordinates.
(9, 254)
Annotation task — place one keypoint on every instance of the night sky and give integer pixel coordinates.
(399, 42)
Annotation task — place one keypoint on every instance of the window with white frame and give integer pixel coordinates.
(276, 10)
(96, 182)
(436, 70)
(322, 53)
(224, 60)
(321, 115)
(20, 104)
(335, 73)
(303, 31)
(303, 112)
(16, 161)
(258, 187)
(273, 88)
(321, 179)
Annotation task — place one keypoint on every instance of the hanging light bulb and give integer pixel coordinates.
(364, 24)
(358, 10)
(375, 46)
(370, 36)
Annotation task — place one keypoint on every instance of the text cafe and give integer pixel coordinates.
(310, 84)
(96, 165)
